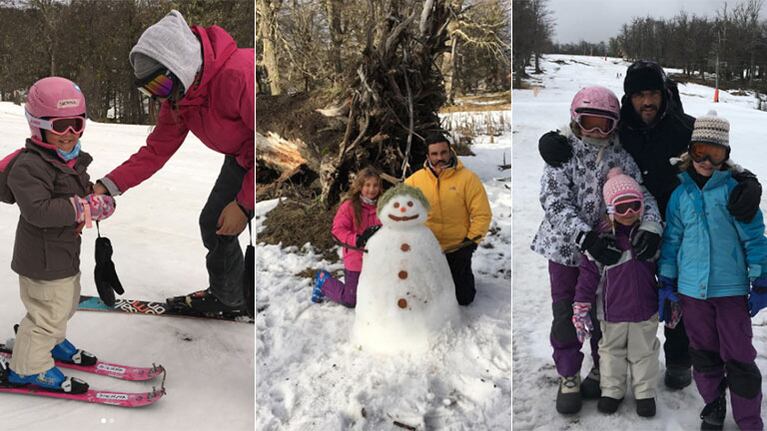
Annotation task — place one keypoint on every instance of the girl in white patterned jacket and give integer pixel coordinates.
(571, 196)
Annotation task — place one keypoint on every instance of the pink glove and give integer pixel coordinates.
(92, 207)
(676, 315)
(582, 320)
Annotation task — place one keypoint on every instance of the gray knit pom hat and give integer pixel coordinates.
(170, 43)
(711, 129)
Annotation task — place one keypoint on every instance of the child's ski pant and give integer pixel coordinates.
(567, 349)
(624, 346)
(50, 304)
(344, 293)
(722, 352)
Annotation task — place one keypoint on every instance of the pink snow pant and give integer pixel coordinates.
(723, 355)
(344, 293)
(567, 349)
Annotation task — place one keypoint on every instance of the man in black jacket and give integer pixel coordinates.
(653, 129)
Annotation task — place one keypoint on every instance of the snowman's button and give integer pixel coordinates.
(405, 247)
(402, 275)
(402, 303)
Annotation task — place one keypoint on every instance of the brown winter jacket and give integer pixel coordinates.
(47, 245)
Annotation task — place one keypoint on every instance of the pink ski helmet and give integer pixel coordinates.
(53, 97)
(598, 102)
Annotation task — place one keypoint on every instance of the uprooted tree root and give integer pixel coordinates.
(294, 223)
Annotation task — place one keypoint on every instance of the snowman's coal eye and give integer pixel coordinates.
(410, 203)
(396, 204)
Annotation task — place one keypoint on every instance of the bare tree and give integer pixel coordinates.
(266, 10)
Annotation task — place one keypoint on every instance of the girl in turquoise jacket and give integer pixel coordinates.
(718, 267)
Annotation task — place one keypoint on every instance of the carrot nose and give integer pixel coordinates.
(402, 209)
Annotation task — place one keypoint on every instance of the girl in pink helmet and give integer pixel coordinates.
(571, 197)
(206, 85)
(49, 182)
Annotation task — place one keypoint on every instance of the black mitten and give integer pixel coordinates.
(107, 282)
(646, 244)
(249, 280)
(745, 197)
(365, 236)
(555, 149)
(601, 248)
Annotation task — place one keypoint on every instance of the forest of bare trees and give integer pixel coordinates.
(309, 45)
(345, 84)
(88, 41)
(533, 28)
(733, 34)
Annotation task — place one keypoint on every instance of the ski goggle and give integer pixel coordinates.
(626, 207)
(716, 154)
(158, 84)
(58, 125)
(594, 122)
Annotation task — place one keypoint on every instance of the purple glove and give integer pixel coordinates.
(582, 320)
(92, 207)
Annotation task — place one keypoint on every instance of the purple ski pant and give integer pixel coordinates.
(567, 350)
(344, 293)
(720, 344)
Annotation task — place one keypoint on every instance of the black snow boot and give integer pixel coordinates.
(646, 407)
(590, 389)
(204, 302)
(569, 395)
(678, 377)
(608, 405)
(713, 414)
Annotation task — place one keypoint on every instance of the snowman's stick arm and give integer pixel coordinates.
(345, 245)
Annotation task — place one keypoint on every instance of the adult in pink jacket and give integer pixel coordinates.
(206, 86)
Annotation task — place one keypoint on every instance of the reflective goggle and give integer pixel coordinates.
(700, 151)
(625, 207)
(582, 119)
(157, 84)
(58, 125)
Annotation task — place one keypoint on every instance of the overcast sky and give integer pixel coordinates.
(599, 20)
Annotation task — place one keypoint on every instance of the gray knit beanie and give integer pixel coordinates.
(170, 43)
(711, 129)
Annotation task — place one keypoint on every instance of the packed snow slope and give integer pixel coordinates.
(310, 377)
(535, 379)
(158, 253)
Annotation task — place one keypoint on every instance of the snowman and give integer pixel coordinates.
(405, 295)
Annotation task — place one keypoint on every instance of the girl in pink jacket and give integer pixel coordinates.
(355, 222)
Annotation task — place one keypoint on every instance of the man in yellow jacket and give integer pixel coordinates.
(460, 212)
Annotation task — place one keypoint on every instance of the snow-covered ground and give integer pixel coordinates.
(310, 377)
(535, 379)
(158, 253)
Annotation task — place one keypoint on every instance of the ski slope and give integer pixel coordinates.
(310, 377)
(535, 379)
(158, 253)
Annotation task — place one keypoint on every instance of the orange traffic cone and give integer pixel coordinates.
(716, 95)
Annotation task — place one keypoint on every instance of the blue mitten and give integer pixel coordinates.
(757, 298)
(582, 320)
(667, 297)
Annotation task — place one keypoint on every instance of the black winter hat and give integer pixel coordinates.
(644, 75)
